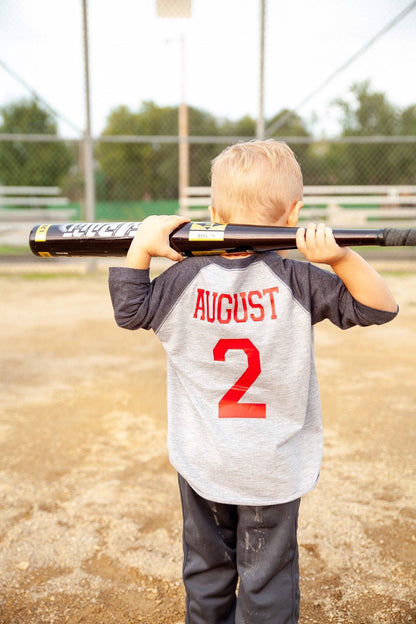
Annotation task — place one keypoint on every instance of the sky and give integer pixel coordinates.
(137, 56)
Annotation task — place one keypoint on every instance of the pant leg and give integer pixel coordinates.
(267, 562)
(209, 569)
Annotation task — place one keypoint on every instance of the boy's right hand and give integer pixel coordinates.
(317, 243)
(152, 240)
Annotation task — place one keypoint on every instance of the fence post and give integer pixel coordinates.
(89, 207)
(260, 120)
(183, 129)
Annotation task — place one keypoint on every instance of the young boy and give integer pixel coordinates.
(244, 421)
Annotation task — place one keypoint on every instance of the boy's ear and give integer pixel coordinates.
(214, 215)
(293, 216)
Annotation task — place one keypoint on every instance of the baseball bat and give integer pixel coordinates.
(114, 239)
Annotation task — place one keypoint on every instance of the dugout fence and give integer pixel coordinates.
(136, 175)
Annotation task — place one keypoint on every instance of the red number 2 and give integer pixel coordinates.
(229, 407)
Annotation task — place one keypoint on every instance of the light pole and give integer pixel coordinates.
(180, 9)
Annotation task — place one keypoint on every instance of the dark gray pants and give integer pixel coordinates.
(224, 544)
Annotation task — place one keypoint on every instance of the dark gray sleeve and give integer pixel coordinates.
(324, 295)
(141, 303)
(330, 299)
(130, 291)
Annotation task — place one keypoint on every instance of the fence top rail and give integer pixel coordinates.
(361, 200)
(204, 191)
(359, 189)
(29, 190)
(216, 139)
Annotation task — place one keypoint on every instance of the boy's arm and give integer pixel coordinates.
(130, 287)
(317, 244)
(152, 239)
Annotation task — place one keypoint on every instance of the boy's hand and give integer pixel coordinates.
(152, 239)
(317, 243)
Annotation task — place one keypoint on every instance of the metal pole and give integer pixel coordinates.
(89, 207)
(260, 119)
(183, 123)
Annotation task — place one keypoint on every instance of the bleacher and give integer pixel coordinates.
(33, 203)
(22, 207)
(350, 206)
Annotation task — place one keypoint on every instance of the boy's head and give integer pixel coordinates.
(256, 182)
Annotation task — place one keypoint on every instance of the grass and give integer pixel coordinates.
(11, 250)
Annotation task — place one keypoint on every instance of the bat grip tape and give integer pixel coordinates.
(404, 237)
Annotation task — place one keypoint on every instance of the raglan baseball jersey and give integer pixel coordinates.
(244, 416)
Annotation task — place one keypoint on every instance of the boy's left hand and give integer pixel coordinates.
(317, 243)
(152, 239)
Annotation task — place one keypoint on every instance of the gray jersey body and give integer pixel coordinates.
(244, 416)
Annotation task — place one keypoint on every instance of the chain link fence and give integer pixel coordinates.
(137, 174)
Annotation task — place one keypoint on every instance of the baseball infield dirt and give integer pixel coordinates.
(90, 524)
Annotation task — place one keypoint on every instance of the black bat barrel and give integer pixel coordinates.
(202, 238)
(114, 239)
(82, 239)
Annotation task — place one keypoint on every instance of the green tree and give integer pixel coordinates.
(24, 163)
(139, 170)
(405, 153)
(202, 123)
(290, 124)
(367, 114)
(244, 127)
(150, 170)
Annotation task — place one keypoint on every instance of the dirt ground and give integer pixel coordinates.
(90, 524)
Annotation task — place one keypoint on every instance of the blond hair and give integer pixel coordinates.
(256, 181)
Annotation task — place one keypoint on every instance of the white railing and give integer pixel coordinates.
(33, 202)
(337, 205)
